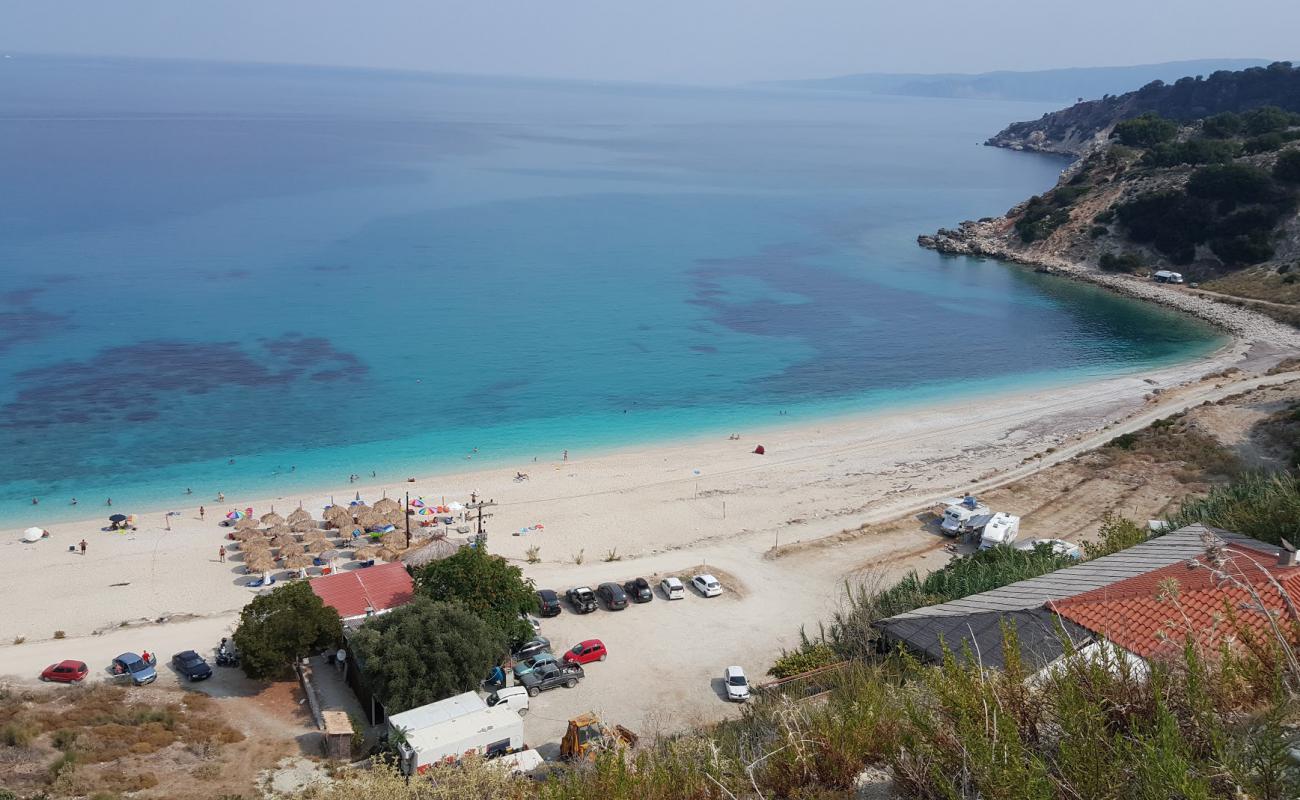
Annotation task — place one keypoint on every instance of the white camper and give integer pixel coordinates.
(1167, 276)
(962, 515)
(449, 729)
(1002, 528)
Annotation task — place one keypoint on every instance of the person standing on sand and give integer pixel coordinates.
(201, 512)
(83, 547)
(221, 497)
(221, 554)
(566, 455)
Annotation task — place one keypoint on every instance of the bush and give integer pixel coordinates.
(1192, 151)
(1125, 262)
(279, 628)
(1117, 533)
(1265, 119)
(1146, 130)
(1287, 167)
(1262, 506)
(426, 651)
(1170, 220)
(487, 585)
(1240, 251)
(1234, 183)
(1222, 126)
(1098, 231)
(809, 656)
(1263, 144)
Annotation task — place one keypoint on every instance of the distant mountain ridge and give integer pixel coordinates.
(1073, 130)
(1053, 85)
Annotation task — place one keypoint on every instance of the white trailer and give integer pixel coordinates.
(448, 729)
(1001, 528)
(962, 515)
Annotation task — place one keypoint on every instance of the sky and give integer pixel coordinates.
(669, 41)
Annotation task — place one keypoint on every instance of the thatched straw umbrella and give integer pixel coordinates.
(387, 504)
(299, 515)
(395, 517)
(317, 546)
(278, 530)
(245, 522)
(298, 561)
(284, 540)
(303, 525)
(370, 519)
(272, 519)
(359, 508)
(338, 514)
(365, 553)
(314, 534)
(387, 554)
(435, 550)
(244, 534)
(255, 543)
(393, 540)
(260, 562)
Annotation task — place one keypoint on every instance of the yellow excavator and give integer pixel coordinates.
(588, 735)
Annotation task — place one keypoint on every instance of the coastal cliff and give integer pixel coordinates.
(1071, 131)
(1214, 197)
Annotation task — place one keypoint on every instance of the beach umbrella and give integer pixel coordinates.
(236, 514)
(299, 514)
(244, 535)
(316, 546)
(298, 561)
(272, 519)
(284, 540)
(434, 550)
(387, 504)
(387, 554)
(278, 530)
(33, 534)
(364, 553)
(396, 516)
(394, 540)
(260, 562)
(245, 522)
(337, 512)
(417, 503)
(313, 535)
(303, 525)
(256, 544)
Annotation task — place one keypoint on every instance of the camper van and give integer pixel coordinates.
(1002, 528)
(1165, 276)
(446, 731)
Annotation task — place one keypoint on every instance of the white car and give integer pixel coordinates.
(737, 684)
(707, 585)
(672, 588)
(515, 697)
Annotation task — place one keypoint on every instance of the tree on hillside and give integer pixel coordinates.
(278, 628)
(1222, 126)
(487, 585)
(1265, 119)
(1232, 183)
(1287, 167)
(426, 651)
(1147, 130)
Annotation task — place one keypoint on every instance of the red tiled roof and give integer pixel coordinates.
(379, 588)
(1143, 616)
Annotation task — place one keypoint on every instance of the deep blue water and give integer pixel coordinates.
(343, 271)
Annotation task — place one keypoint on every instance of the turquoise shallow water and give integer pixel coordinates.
(312, 273)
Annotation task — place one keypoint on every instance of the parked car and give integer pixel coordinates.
(191, 665)
(515, 697)
(612, 595)
(549, 602)
(135, 668)
(530, 648)
(533, 622)
(672, 588)
(549, 676)
(66, 672)
(526, 666)
(707, 585)
(582, 599)
(585, 652)
(639, 590)
(737, 684)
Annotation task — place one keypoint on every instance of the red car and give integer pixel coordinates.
(66, 672)
(586, 652)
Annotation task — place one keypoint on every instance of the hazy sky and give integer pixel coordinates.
(692, 41)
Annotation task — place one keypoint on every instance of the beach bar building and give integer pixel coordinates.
(361, 593)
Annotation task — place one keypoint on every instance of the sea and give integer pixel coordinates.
(260, 280)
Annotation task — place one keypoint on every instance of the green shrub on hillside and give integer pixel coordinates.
(1232, 183)
(1147, 130)
(1266, 119)
(1287, 167)
(1192, 151)
(1264, 506)
(1124, 262)
(1222, 126)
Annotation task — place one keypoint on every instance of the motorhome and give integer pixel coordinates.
(1001, 529)
(1167, 276)
(962, 515)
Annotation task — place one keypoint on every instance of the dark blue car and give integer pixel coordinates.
(191, 665)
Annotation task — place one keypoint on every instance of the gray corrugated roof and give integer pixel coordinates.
(1161, 551)
(1038, 630)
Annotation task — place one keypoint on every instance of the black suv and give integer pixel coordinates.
(582, 599)
(612, 594)
(549, 602)
(548, 676)
(639, 590)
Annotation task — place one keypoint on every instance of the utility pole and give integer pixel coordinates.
(480, 536)
(406, 512)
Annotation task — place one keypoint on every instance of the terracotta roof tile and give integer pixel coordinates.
(378, 588)
(1152, 614)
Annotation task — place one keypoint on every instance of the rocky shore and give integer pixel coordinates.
(991, 238)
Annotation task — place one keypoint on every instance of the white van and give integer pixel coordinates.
(515, 697)
(672, 588)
